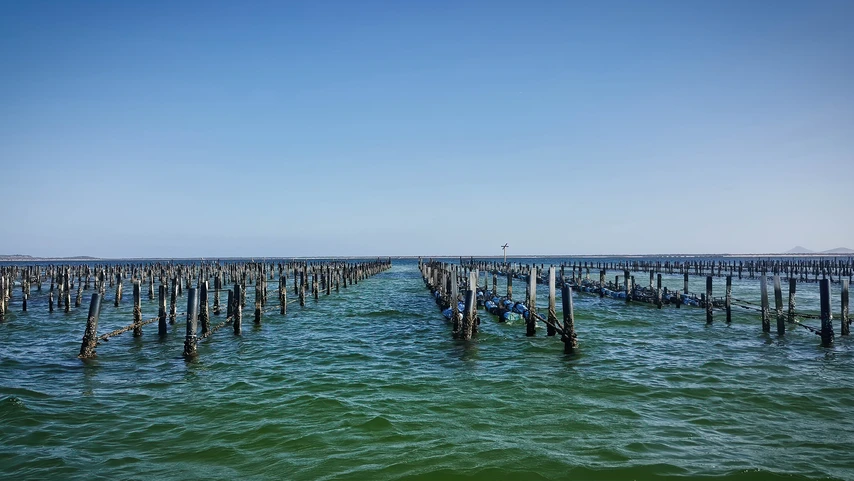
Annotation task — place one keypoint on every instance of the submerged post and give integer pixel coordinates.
(709, 301)
(137, 310)
(826, 317)
(161, 313)
(468, 317)
(531, 325)
(90, 337)
(792, 286)
(778, 305)
(569, 338)
(238, 309)
(763, 286)
(728, 301)
(192, 324)
(204, 316)
(844, 315)
(552, 315)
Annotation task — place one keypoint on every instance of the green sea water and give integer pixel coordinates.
(369, 384)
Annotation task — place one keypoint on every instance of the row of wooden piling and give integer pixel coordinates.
(658, 295)
(444, 281)
(308, 279)
(834, 268)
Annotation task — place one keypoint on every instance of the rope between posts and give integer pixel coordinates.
(108, 335)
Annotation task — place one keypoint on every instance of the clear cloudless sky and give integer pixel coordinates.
(213, 129)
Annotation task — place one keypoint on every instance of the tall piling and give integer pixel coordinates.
(763, 286)
(531, 324)
(137, 310)
(710, 302)
(569, 338)
(204, 316)
(552, 315)
(192, 322)
(826, 317)
(844, 313)
(237, 310)
(778, 305)
(161, 313)
(90, 337)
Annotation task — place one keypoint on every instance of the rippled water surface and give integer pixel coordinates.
(369, 384)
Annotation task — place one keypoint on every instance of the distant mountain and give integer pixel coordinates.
(799, 250)
(839, 250)
(24, 258)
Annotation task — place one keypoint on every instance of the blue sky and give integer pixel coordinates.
(403, 128)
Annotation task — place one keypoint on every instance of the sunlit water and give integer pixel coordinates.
(369, 384)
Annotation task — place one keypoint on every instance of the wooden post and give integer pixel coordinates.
(90, 337)
(728, 302)
(826, 316)
(658, 301)
(217, 288)
(238, 309)
(510, 284)
(793, 282)
(552, 315)
(468, 315)
(192, 319)
(763, 286)
(161, 313)
(229, 304)
(685, 284)
(258, 302)
(454, 301)
(283, 296)
(844, 315)
(778, 305)
(173, 300)
(628, 286)
(709, 300)
(204, 316)
(531, 324)
(137, 309)
(602, 283)
(118, 289)
(569, 338)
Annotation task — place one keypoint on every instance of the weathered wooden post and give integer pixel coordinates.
(468, 315)
(709, 300)
(531, 323)
(258, 301)
(793, 282)
(161, 313)
(192, 325)
(237, 310)
(826, 316)
(552, 315)
(763, 286)
(283, 296)
(569, 338)
(229, 304)
(204, 316)
(728, 301)
(844, 315)
(685, 283)
(90, 337)
(217, 288)
(118, 289)
(510, 284)
(173, 301)
(658, 300)
(602, 283)
(778, 305)
(137, 310)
